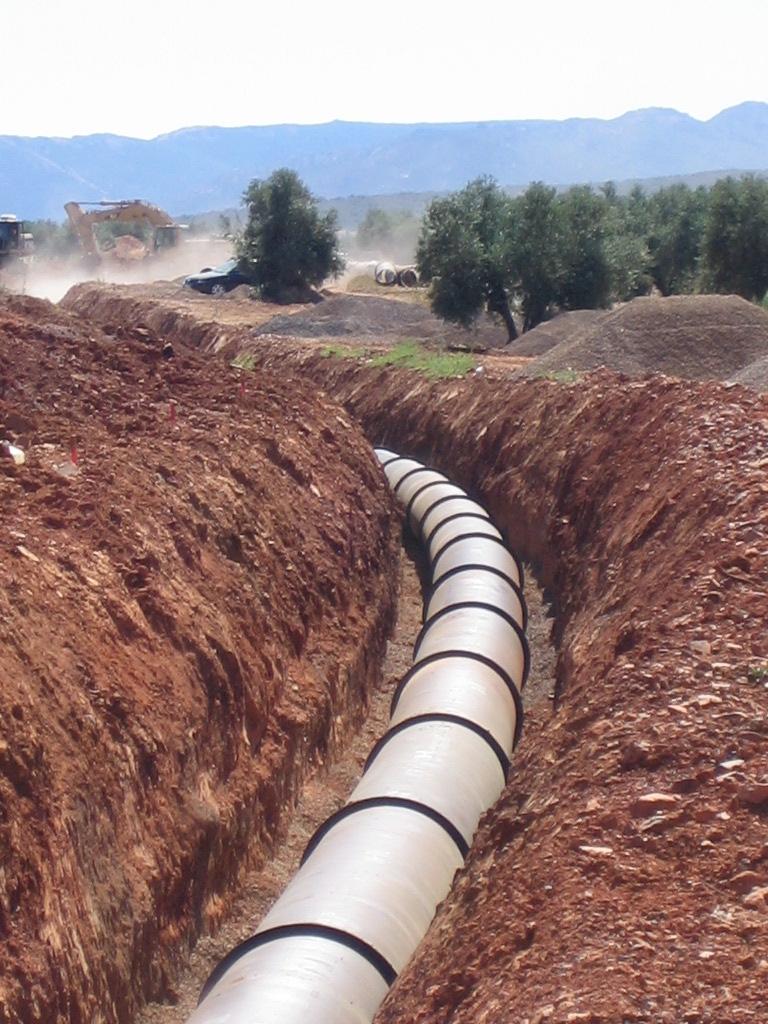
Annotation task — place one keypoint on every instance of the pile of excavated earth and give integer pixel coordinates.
(565, 328)
(622, 877)
(701, 337)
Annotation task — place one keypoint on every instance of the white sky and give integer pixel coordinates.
(143, 67)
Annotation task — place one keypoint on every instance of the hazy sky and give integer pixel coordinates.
(135, 67)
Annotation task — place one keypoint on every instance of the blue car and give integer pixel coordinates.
(217, 280)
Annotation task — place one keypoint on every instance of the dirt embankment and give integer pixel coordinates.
(624, 874)
(226, 323)
(188, 616)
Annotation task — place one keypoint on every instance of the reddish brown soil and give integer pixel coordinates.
(699, 337)
(188, 618)
(624, 874)
(323, 793)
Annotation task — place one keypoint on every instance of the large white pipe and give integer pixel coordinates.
(374, 873)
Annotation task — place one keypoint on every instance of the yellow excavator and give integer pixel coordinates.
(165, 234)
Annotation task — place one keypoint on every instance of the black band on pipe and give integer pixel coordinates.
(458, 515)
(441, 716)
(490, 607)
(503, 675)
(432, 483)
(387, 801)
(483, 536)
(414, 471)
(448, 497)
(484, 605)
(472, 533)
(321, 931)
(477, 567)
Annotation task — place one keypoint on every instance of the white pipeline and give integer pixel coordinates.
(373, 874)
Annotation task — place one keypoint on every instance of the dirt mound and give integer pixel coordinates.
(700, 337)
(755, 375)
(173, 651)
(567, 327)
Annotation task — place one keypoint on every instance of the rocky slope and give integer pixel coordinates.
(196, 587)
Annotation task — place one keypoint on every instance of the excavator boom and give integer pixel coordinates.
(166, 231)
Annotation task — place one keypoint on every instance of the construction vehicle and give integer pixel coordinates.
(165, 234)
(15, 243)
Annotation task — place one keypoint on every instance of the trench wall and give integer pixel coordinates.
(190, 616)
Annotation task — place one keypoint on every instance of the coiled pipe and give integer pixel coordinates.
(373, 874)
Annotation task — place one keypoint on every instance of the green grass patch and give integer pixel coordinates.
(562, 376)
(244, 361)
(341, 351)
(758, 673)
(410, 355)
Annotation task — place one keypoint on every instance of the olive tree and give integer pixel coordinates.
(736, 238)
(464, 252)
(287, 245)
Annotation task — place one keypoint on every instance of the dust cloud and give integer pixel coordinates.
(49, 278)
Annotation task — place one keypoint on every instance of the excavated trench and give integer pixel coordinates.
(624, 874)
(329, 786)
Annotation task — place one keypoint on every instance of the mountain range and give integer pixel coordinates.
(198, 169)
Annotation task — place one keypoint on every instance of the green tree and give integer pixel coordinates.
(626, 243)
(736, 238)
(584, 277)
(286, 244)
(675, 237)
(464, 251)
(536, 252)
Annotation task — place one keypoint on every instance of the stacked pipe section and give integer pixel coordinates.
(373, 874)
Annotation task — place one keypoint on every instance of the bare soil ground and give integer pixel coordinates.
(172, 660)
(227, 323)
(323, 793)
(382, 317)
(698, 337)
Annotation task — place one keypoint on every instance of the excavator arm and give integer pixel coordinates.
(124, 210)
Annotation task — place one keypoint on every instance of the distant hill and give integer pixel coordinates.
(199, 169)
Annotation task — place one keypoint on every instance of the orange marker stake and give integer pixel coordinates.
(73, 455)
(172, 412)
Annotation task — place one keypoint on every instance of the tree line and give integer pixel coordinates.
(547, 251)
